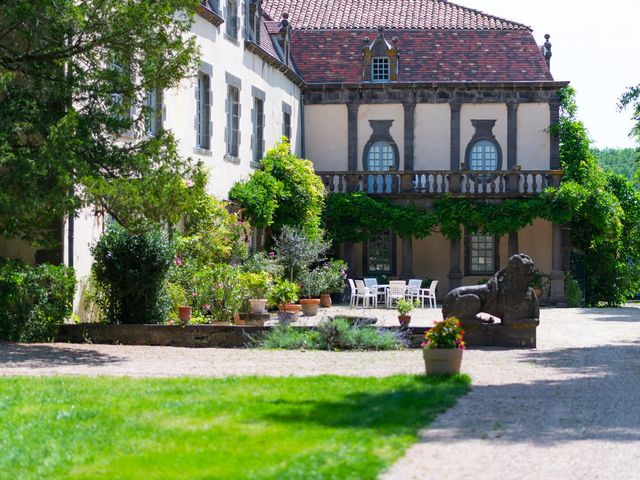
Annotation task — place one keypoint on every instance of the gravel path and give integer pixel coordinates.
(570, 409)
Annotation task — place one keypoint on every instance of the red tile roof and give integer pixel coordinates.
(323, 56)
(368, 14)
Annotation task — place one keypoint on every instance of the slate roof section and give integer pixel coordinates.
(425, 55)
(398, 14)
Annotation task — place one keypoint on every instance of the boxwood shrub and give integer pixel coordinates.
(33, 299)
(129, 270)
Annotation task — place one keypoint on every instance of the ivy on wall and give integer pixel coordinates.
(353, 217)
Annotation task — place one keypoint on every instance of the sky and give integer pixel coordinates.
(594, 46)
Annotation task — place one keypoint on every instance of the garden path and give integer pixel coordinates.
(568, 410)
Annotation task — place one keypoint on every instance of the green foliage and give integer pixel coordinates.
(257, 285)
(33, 300)
(631, 98)
(212, 234)
(572, 291)
(445, 334)
(259, 262)
(405, 306)
(219, 292)
(353, 217)
(284, 292)
(332, 334)
(296, 251)
(285, 192)
(312, 282)
(130, 271)
(604, 225)
(335, 273)
(328, 427)
(623, 161)
(539, 279)
(65, 106)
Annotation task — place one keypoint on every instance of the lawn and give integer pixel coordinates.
(197, 428)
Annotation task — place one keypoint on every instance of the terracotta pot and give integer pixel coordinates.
(236, 318)
(289, 312)
(404, 319)
(538, 292)
(184, 313)
(257, 305)
(310, 306)
(325, 300)
(442, 361)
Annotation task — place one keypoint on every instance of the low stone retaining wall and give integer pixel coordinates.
(192, 336)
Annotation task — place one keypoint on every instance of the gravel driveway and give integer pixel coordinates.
(570, 409)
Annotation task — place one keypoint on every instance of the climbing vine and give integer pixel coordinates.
(353, 217)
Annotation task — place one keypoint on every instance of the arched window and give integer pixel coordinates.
(381, 157)
(483, 155)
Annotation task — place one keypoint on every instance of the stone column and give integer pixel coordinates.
(556, 278)
(554, 118)
(348, 257)
(409, 133)
(455, 274)
(407, 258)
(352, 136)
(512, 134)
(455, 135)
(513, 243)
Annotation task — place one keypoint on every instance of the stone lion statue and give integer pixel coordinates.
(506, 296)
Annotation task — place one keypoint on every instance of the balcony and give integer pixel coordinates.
(435, 183)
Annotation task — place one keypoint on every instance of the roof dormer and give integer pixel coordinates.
(380, 59)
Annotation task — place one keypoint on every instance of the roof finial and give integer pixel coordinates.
(380, 31)
(546, 49)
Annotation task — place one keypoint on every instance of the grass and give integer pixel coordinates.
(196, 428)
(334, 334)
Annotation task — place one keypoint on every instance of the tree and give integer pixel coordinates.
(605, 226)
(74, 78)
(285, 192)
(619, 160)
(631, 98)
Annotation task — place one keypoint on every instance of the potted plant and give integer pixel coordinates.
(404, 307)
(539, 282)
(443, 347)
(258, 287)
(283, 294)
(335, 273)
(312, 282)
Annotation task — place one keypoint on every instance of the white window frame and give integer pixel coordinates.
(233, 121)
(482, 254)
(203, 111)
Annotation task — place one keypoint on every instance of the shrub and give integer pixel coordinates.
(405, 306)
(262, 262)
(334, 334)
(285, 192)
(219, 292)
(295, 250)
(33, 300)
(572, 291)
(284, 292)
(335, 273)
(257, 285)
(130, 271)
(312, 282)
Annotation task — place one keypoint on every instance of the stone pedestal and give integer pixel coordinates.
(517, 334)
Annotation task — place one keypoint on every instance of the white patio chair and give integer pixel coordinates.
(428, 294)
(413, 288)
(397, 290)
(353, 292)
(372, 285)
(362, 292)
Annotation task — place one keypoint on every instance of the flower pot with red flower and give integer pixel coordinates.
(443, 347)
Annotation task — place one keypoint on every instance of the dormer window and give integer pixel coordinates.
(380, 59)
(380, 69)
